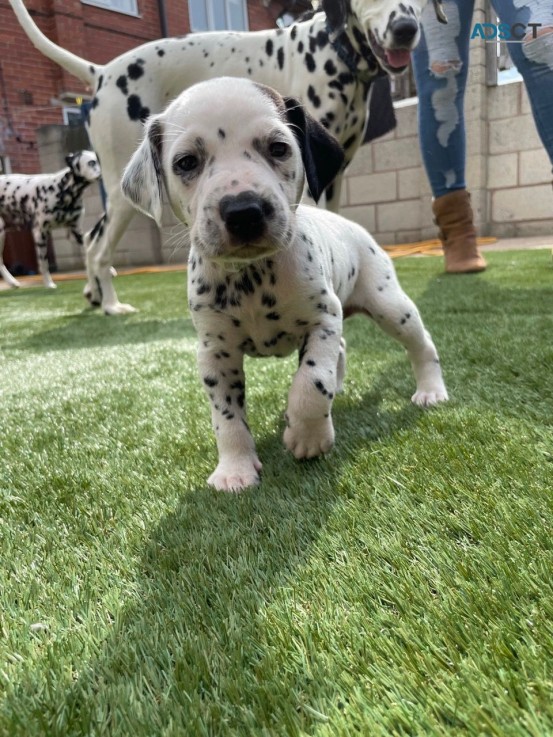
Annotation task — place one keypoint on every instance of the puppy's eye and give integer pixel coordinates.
(279, 150)
(185, 164)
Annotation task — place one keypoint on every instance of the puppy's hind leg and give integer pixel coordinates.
(379, 294)
(8, 278)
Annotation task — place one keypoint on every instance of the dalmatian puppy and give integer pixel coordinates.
(267, 276)
(46, 201)
(328, 62)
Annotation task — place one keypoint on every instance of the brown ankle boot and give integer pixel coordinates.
(454, 218)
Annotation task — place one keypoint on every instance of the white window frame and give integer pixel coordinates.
(5, 165)
(112, 5)
(68, 111)
(210, 14)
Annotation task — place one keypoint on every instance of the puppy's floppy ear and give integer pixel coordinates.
(336, 12)
(322, 155)
(440, 12)
(70, 158)
(142, 181)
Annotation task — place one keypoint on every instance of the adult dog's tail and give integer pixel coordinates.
(72, 63)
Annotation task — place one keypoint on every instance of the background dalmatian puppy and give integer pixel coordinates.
(42, 202)
(266, 276)
(327, 62)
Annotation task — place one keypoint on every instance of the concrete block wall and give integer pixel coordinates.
(389, 198)
(520, 195)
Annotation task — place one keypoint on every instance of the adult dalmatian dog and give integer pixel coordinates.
(267, 276)
(327, 62)
(43, 202)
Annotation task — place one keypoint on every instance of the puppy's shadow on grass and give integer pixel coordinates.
(202, 627)
(359, 421)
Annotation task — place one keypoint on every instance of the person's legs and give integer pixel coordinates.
(534, 58)
(441, 69)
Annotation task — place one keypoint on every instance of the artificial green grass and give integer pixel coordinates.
(399, 586)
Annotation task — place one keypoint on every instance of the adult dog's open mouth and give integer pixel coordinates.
(397, 60)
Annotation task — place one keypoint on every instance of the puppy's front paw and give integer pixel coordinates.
(430, 397)
(309, 438)
(236, 474)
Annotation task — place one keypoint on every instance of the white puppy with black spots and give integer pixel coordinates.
(268, 276)
(42, 202)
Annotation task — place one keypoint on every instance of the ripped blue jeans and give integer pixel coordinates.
(441, 68)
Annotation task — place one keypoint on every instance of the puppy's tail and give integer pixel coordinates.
(72, 63)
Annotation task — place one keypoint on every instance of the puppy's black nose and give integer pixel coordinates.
(244, 215)
(404, 31)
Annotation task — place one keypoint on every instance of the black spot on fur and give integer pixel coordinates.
(203, 289)
(349, 143)
(135, 109)
(122, 83)
(98, 229)
(269, 47)
(320, 386)
(136, 70)
(313, 96)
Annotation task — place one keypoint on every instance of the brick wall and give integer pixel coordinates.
(261, 16)
(27, 84)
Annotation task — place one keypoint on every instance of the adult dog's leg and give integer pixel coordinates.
(41, 245)
(379, 294)
(223, 378)
(101, 244)
(309, 430)
(8, 278)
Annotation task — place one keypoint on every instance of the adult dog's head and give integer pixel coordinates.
(391, 27)
(232, 156)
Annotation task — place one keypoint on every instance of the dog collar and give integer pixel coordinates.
(346, 52)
